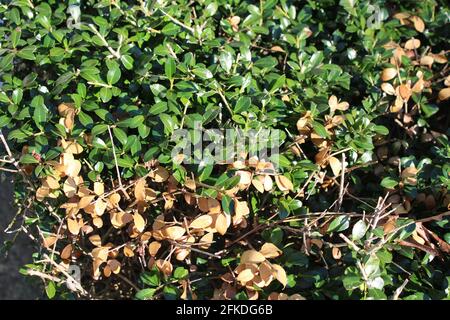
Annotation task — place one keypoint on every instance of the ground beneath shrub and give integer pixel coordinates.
(13, 285)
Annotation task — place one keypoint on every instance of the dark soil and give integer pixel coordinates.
(13, 285)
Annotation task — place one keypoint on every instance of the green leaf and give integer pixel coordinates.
(28, 159)
(242, 104)
(17, 95)
(180, 273)
(158, 108)
(226, 61)
(105, 94)
(127, 61)
(266, 63)
(120, 135)
(99, 143)
(40, 111)
(381, 130)
(359, 230)
(202, 73)
(27, 53)
(168, 122)
(50, 289)
(113, 75)
(277, 84)
(231, 182)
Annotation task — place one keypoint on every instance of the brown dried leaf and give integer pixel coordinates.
(388, 74)
(201, 222)
(160, 174)
(283, 183)
(221, 223)
(269, 250)
(139, 190)
(174, 232)
(206, 240)
(412, 44)
(252, 256)
(244, 276)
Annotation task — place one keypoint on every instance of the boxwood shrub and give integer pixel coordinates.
(354, 96)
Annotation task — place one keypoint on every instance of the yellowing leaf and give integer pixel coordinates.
(268, 183)
(128, 251)
(241, 208)
(85, 201)
(49, 241)
(335, 105)
(71, 147)
(266, 273)
(160, 174)
(70, 187)
(52, 182)
(73, 168)
(412, 44)
(96, 240)
(190, 183)
(164, 266)
(283, 183)
(99, 188)
(99, 207)
(245, 178)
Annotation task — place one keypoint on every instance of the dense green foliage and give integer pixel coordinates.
(119, 77)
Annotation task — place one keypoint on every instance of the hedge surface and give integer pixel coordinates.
(357, 91)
